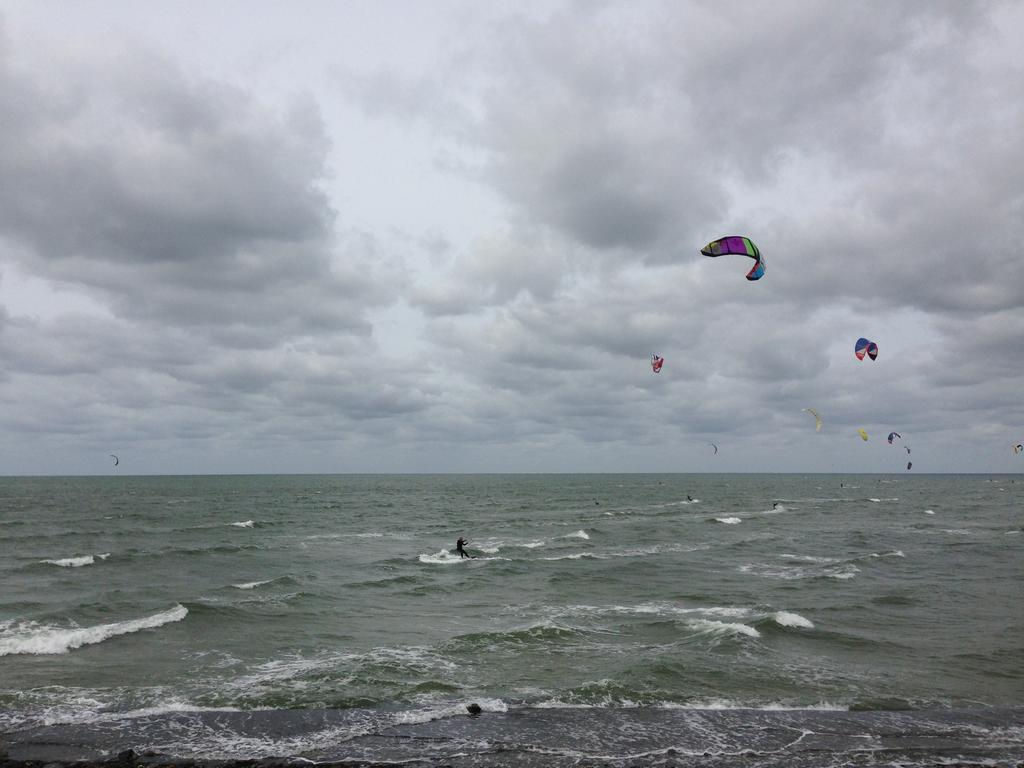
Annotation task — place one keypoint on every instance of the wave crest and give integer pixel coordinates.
(32, 638)
(76, 562)
(788, 619)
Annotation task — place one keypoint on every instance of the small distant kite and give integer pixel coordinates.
(116, 460)
(863, 434)
(715, 447)
(742, 246)
(865, 347)
(910, 464)
(656, 363)
(894, 436)
(1018, 448)
(907, 447)
(817, 419)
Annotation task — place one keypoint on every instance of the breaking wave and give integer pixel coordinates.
(788, 619)
(33, 638)
(252, 584)
(76, 562)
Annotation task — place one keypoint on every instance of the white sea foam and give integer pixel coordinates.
(717, 704)
(723, 627)
(429, 714)
(732, 612)
(72, 562)
(580, 534)
(217, 743)
(251, 584)
(295, 671)
(559, 704)
(171, 706)
(808, 558)
(641, 552)
(929, 511)
(815, 568)
(788, 619)
(413, 655)
(655, 609)
(444, 557)
(76, 562)
(846, 574)
(33, 638)
(771, 706)
(729, 520)
(56, 705)
(245, 524)
(770, 571)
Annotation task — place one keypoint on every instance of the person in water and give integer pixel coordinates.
(460, 547)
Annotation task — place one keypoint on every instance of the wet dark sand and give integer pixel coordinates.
(533, 738)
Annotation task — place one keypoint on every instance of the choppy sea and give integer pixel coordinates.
(607, 620)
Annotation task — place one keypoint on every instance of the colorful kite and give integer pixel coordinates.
(865, 347)
(817, 418)
(894, 435)
(742, 246)
(863, 434)
(656, 363)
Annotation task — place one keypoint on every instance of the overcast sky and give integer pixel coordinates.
(443, 237)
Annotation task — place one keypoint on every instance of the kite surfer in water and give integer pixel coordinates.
(460, 548)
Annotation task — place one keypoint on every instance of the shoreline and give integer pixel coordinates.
(532, 738)
(130, 759)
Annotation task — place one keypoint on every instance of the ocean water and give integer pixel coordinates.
(666, 619)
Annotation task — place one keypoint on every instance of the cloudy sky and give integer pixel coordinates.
(442, 237)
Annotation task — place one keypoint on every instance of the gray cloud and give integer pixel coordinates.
(178, 200)
(633, 138)
(870, 149)
(196, 216)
